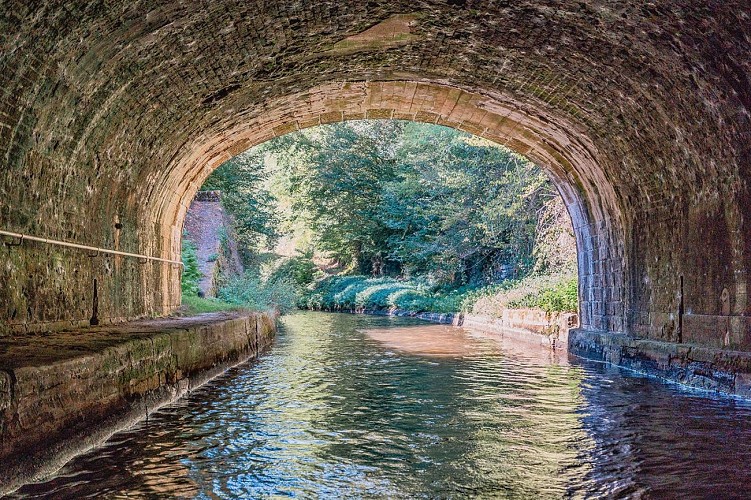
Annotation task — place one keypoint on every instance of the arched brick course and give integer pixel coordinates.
(113, 112)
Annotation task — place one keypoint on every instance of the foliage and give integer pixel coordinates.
(557, 293)
(243, 181)
(191, 275)
(465, 212)
(381, 199)
(250, 291)
(560, 296)
(362, 292)
(552, 293)
(412, 216)
(300, 270)
(193, 304)
(334, 177)
(350, 292)
(555, 246)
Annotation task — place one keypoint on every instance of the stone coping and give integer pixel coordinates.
(64, 392)
(47, 348)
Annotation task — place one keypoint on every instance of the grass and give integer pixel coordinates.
(192, 305)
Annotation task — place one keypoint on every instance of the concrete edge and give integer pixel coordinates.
(185, 375)
(705, 368)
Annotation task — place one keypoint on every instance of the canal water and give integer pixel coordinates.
(348, 406)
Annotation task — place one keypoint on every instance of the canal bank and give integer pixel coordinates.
(706, 368)
(532, 326)
(62, 393)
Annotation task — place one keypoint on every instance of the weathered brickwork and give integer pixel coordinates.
(65, 392)
(111, 115)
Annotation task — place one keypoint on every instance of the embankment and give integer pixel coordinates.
(525, 325)
(64, 392)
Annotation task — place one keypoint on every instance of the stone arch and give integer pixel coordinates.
(568, 157)
(640, 111)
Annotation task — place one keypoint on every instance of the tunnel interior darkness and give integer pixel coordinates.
(112, 115)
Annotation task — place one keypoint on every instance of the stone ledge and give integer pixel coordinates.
(532, 326)
(62, 393)
(706, 368)
(526, 325)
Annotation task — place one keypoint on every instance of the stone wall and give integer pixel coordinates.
(706, 368)
(111, 116)
(531, 326)
(217, 253)
(63, 393)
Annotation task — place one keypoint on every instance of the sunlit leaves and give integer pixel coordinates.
(394, 197)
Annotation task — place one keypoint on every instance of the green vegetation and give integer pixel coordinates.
(299, 271)
(243, 182)
(559, 295)
(552, 293)
(243, 292)
(404, 199)
(191, 275)
(253, 292)
(394, 215)
(192, 304)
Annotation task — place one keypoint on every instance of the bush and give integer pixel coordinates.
(301, 271)
(191, 275)
(350, 292)
(411, 300)
(552, 293)
(378, 296)
(562, 296)
(251, 292)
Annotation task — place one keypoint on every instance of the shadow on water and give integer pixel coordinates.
(357, 406)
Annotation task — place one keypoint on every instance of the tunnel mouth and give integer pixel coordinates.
(380, 181)
(113, 117)
(563, 153)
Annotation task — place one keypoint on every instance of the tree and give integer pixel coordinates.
(243, 182)
(394, 198)
(336, 176)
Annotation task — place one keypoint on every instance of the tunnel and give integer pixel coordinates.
(113, 113)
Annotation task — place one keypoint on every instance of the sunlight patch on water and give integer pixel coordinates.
(431, 340)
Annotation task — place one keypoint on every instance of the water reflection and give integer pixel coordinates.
(360, 407)
(431, 340)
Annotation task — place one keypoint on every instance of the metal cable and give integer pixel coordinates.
(98, 250)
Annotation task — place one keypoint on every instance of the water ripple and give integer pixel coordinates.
(331, 412)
